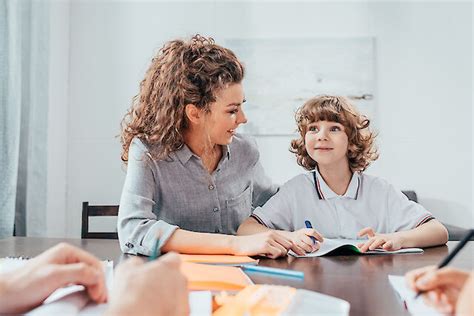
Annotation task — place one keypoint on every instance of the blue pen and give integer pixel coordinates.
(308, 225)
(284, 272)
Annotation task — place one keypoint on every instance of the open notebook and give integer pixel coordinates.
(348, 246)
(73, 300)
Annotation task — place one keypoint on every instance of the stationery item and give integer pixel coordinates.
(155, 252)
(214, 278)
(224, 260)
(308, 225)
(407, 296)
(453, 253)
(274, 300)
(348, 246)
(276, 271)
(200, 303)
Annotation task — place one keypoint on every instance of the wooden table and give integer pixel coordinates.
(360, 280)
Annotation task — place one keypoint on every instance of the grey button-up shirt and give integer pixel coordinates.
(161, 195)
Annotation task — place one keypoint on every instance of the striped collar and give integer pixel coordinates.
(324, 192)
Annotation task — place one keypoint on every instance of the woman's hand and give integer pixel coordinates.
(272, 244)
(57, 267)
(441, 288)
(389, 242)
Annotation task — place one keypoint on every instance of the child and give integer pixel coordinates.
(336, 146)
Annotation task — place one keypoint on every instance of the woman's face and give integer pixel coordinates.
(226, 114)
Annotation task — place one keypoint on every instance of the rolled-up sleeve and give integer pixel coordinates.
(138, 227)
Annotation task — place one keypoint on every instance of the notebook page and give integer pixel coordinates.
(407, 295)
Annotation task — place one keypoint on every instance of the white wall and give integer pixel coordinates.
(422, 55)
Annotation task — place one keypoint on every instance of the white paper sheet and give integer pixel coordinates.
(407, 295)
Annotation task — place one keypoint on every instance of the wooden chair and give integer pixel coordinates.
(97, 210)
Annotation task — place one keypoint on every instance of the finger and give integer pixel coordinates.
(438, 278)
(80, 273)
(366, 231)
(298, 250)
(413, 275)
(317, 235)
(388, 245)
(283, 240)
(283, 251)
(306, 243)
(366, 246)
(316, 246)
(272, 252)
(65, 253)
(377, 243)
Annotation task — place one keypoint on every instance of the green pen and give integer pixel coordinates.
(155, 253)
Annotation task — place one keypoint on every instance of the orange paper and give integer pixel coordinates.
(214, 278)
(228, 260)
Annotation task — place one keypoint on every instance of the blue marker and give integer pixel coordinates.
(283, 272)
(308, 225)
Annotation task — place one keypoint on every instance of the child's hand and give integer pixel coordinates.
(389, 242)
(302, 242)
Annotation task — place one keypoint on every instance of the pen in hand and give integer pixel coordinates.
(452, 254)
(308, 225)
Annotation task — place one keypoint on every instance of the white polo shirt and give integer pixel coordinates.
(369, 202)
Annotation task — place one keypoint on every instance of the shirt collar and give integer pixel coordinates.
(325, 193)
(184, 153)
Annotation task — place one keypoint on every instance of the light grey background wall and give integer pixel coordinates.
(423, 72)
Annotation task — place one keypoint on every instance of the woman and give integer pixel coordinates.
(190, 178)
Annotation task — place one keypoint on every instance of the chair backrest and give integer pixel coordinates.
(411, 195)
(97, 210)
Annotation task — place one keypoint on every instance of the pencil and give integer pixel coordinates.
(453, 253)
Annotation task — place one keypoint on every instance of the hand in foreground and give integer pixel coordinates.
(302, 242)
(57, 267)
(272, 244)
(152, 288)
(441, 287)
(389, 242)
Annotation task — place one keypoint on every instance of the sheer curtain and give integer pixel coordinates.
(24, 58)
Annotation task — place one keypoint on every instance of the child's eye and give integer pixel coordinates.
(313, 129)
(335, 129)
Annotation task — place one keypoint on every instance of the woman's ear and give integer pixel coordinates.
(193, 113)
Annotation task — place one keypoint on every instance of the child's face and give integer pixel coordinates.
(326, 142)
(226, 114)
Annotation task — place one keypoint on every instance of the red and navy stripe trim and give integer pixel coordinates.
(258, 219)
(425, 219)
(317, 187)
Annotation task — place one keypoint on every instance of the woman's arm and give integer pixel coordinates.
(268, 244)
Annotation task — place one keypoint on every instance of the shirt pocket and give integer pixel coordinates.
(238, 209)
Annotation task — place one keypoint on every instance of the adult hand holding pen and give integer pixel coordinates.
(442, 288)
(58, 266)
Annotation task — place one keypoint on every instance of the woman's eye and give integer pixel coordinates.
(233, 111)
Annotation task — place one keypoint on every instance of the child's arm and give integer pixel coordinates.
(428, 234)
(251, 226)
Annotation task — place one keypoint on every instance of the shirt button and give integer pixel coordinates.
(129, 245)
(216, 209)
(211, 187)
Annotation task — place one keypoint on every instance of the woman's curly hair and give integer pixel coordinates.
(182, 72)
(361, 149)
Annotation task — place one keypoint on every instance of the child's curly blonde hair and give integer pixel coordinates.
(183, 72)
(361, 149)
